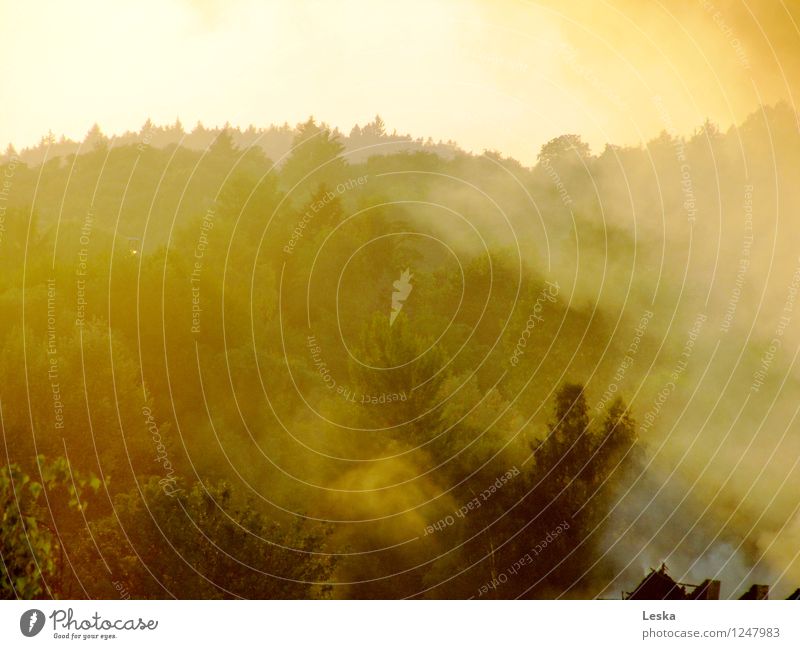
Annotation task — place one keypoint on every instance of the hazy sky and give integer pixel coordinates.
(505, 75)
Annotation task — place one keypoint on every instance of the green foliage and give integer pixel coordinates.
(203, 542)
(315, 156)
(564, 149)
(31, 554)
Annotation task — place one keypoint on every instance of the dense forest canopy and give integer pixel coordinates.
(287, 363)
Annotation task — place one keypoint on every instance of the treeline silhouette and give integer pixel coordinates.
(274, 141)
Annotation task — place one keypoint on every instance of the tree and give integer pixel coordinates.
(375, 129)
(147, 128)
(617, 438)
(10, 154)
(568, 444)
(47, 140)
(564, 149)
(315, 153)
(95, 139)
(31, 554)
(223, 146)
(202, 541)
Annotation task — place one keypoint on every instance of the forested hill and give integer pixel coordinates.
(338, 345)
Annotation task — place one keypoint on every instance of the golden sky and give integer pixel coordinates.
(505, 75)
